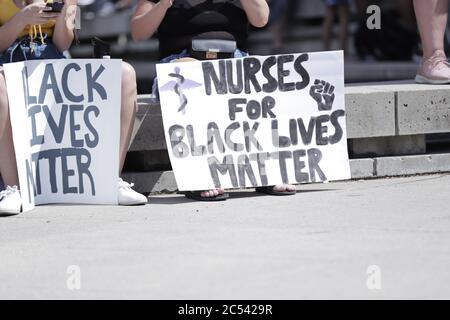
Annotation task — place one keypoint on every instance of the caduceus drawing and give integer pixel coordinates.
(178, 86)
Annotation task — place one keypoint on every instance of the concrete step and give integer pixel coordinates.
(397, 108)
(394, 129)
(164, 181)
(376, 110)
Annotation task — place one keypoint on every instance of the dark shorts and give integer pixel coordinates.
(22, 50)
(337, 2)
(278, 9)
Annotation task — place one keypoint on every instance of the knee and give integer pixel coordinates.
(187, 59)
(128, 77)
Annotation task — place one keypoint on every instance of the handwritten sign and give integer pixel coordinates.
(255, 121)
(65, 116)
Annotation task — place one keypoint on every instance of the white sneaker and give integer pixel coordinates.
(129, 197)
(10, 201)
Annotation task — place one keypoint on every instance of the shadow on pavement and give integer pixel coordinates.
(178, 199)
(249, 194)
(7, 215)
(181, 199)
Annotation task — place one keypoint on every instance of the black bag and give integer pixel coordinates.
(213, 45)
(101, 48)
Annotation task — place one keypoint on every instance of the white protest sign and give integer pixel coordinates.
(65, 116)
(256, 121)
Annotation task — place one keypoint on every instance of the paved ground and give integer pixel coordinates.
(317, 244)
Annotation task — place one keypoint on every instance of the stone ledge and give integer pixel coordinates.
(164, 181)
(419, 108)
(373, 110)
(370, 114)
(152, 182)
(148, 133)
(362, 168)
(410, 165)
(383, 119)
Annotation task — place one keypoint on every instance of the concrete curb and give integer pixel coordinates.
(152, 182)
(383, 120)
(410, 165)
(164, 181)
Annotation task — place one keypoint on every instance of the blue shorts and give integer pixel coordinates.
(22, 50)
(184, 54)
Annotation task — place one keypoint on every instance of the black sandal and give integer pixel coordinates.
(196, 195)
(270, 191)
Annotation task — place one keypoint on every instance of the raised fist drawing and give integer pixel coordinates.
(323, 93)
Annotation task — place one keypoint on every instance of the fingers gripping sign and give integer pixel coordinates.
(323, 93)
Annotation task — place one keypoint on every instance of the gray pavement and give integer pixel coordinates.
(317, 244)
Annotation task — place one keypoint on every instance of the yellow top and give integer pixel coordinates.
(8, 9)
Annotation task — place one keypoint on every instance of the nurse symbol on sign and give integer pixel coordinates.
(178, 86)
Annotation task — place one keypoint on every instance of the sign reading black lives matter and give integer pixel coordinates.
(65, 116)
(255, 121)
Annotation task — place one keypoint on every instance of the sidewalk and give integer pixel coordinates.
(317, 244)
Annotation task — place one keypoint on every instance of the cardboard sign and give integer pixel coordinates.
(65, 116)
(256, 121)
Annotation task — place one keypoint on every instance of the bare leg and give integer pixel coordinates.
(328, 27)
(128, 110)
(432, 20)
(8, 168)
(344, 13)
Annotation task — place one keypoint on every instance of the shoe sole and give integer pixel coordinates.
(132, 204)
(10, 213)
(423, 80)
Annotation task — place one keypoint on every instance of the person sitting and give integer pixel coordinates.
(177, 22)
(29, 32)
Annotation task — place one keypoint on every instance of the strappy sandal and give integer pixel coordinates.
(270, 191)
(196, 195)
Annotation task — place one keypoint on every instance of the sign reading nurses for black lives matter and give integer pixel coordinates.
(65, 116)
(256, 121)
